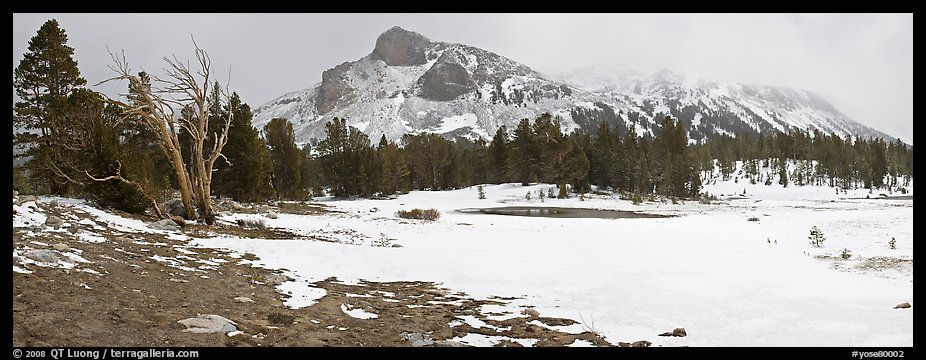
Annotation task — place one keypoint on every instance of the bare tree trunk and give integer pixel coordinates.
(188, 90)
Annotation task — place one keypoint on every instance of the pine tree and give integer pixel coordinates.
(431, 161)
(43, 80)
(244, 173)
(498, 156)
(395, 167)
(113, 162)
(783, 172)
(310, 171)
(349, 163)
(601, 166)
(523, 158)
(285, 157)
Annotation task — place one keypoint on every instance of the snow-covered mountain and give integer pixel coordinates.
(410, 84)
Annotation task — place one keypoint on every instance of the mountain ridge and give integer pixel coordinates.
(411, 84)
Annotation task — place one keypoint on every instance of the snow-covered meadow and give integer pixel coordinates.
(727, 280)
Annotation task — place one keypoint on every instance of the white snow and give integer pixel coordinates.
(456, 122)
(473, 321)
(357, 312)
(581, 343)
(362, 126)
(90, 237)
(634, 278)
(728, 281)
(570, 329)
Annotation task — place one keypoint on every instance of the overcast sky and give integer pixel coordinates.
(861, 63)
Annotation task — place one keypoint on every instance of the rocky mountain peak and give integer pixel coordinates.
(400, 47)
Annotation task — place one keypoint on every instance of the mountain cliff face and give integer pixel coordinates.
(410, 84)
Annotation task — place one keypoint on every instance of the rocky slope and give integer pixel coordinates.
(411, 84)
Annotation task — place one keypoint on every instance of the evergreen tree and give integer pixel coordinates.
(395, 167)
(349, 164)
(602, 159)
(431, 161)
(285, 157)
(43, 80)
(498, 156)
(244, 173)
(783, 172)
(114, 162)
(523, 158)
(310, 171)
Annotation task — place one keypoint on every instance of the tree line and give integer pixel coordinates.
(133, 153)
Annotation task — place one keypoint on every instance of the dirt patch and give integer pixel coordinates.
(134, 287)
(881, 263)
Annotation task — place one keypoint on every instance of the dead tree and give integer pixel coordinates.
(157, 103)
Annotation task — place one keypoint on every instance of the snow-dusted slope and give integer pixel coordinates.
(410, 84)
(711, 107)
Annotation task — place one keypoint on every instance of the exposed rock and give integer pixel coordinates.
(448, 343)
(244, 299)
(641, 343)
(400, 47)
(623, 344)
(176, 208)
(36, 228)
(903, 306)
(335, 88)
(26, 198)
(530, 312)
(164, 224)
(43, 255)
(263, 209)
(508, 343)
(275, 279)
(178, 220)
(54, 221)
(446, 80)
(678, 332)
(208, 324)
(53, 203)
(271, 214)
(73, 229)
(178, 280)
(418, 339)
(61, 247)
(396, 245)
(556, 321)
(15, 193)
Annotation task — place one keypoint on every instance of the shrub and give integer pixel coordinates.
(482, 192)
(753, 219)
(846, 254)
(816, 237)
(892, 244)
(254, 224)
(420, 214)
